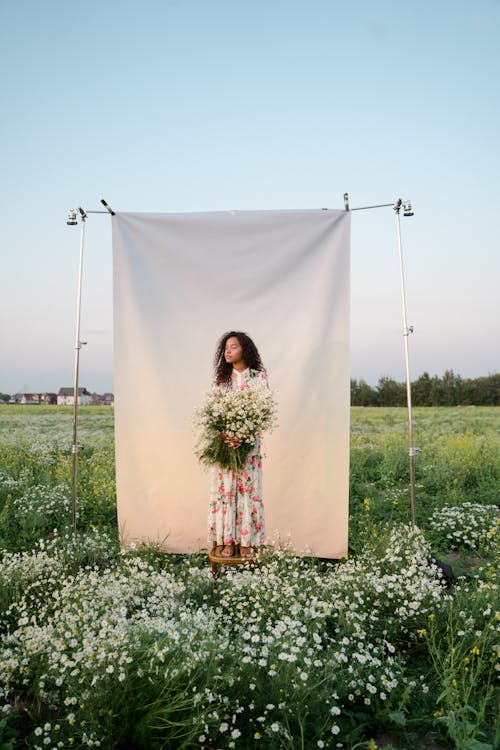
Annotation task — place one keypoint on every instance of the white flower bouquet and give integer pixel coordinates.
(241, 416)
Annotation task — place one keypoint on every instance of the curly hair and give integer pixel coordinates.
(223, 370)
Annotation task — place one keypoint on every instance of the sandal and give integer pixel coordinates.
(228, 550)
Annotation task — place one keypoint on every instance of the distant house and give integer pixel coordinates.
(33, 398)
(48, 398)
(107, 399)
(29, 398)
(66, 397)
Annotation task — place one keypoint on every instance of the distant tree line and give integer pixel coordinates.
(450, 390)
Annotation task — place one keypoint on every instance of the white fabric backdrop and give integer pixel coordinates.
(180, 282)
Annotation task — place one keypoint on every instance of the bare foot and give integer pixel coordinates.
(227, 550)
(246, 551)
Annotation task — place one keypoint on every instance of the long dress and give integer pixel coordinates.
(236, 511)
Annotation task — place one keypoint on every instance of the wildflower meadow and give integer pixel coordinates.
(146, 650)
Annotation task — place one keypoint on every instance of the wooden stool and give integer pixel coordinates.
(236, 559)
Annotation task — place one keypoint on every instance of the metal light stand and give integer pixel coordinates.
(78, 344)
(406, 333)
(407, 211)
(75, 448)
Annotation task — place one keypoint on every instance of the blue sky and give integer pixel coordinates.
(191, 105)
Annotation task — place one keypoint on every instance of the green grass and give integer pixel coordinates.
(458, 461)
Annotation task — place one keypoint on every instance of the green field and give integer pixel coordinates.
(143, 650)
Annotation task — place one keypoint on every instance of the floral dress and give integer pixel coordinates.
(236, 512)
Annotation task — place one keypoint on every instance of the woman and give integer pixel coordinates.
(236, 513)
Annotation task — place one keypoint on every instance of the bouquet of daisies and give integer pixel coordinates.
(242, 415)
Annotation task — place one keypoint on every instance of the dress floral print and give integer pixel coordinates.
(236, 511)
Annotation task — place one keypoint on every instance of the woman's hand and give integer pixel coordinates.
(231, 441)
